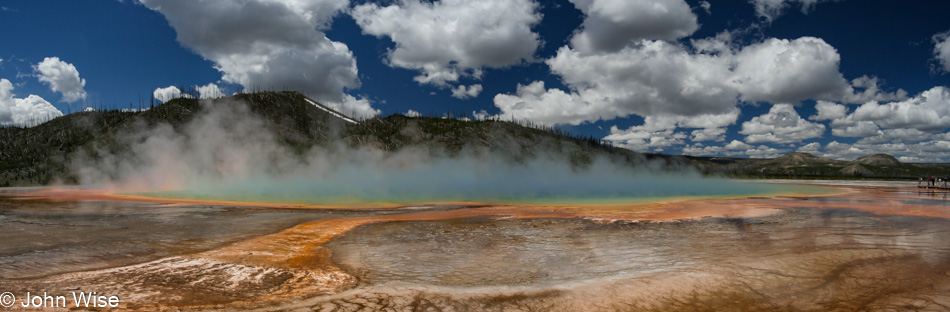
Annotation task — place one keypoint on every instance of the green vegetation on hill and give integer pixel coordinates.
(44, 153)
(800, 165)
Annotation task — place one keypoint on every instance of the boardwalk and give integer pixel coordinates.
(934, 187)
(933, 184)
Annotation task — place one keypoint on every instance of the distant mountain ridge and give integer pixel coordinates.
(43, 154)
(805, 165)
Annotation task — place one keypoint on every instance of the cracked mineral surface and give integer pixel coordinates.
(862, 248)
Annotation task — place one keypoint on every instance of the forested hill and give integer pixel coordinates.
(44, 153)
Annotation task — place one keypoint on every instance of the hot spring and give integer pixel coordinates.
(456, 180)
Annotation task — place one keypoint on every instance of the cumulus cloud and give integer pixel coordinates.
(765, 151)
(610, 25)
(481, 115)
(942, 50)
(208, 91)
(734, 148)
(412, 113)
(463, 92)
(547, 106)
(769, 10)
(653, 78)
(28, 111)
(663, 78)
(911, 129)
(787, 71)
(269, 44)
(811, 148)
(903, 135)
(856, 129)
(829, 111)
(928, 111)
(658, 132)
(708, 134)
(451, 38)
(929, 148)
(737, 145)
(168, 93)
(357, 107)
(645, 140)
(867, 89)
(61, 77)
(781, 124)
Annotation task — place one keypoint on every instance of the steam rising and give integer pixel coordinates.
(227, 153)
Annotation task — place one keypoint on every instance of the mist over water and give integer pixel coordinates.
(227, 153)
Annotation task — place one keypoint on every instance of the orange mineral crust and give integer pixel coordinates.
(295, 264)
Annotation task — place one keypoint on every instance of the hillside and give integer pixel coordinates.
(43, 154)
(807, 166)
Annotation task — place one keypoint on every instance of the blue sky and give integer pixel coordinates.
(755, 78)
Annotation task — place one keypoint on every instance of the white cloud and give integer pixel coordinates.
(811, 148)
(928, 111)
(610, 25)
(658, 132)
(677, 85)
(265, 44)
(788, 71)
(829, 111)
(481, 115)
(764, 151)
(708, 134)
(412, 113)
(867, 89)
(658, 77)
(352, 106)
(904, 135)
(61, 77)
(911, 129)
(653, 78)
(209, 91)
(772, 9)
(706, 6)
(452, 38)
(28, 111)
(168, 93)
(737, 145)
(734, 148)
(942, 50)
(781, 124)
(645, 140)
(546, 106)
(856, 129)
(462, 92)
(932, 149)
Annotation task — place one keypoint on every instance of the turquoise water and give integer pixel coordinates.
(513, 184)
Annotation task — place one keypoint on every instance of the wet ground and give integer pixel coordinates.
(42, 237)
(868, 248)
